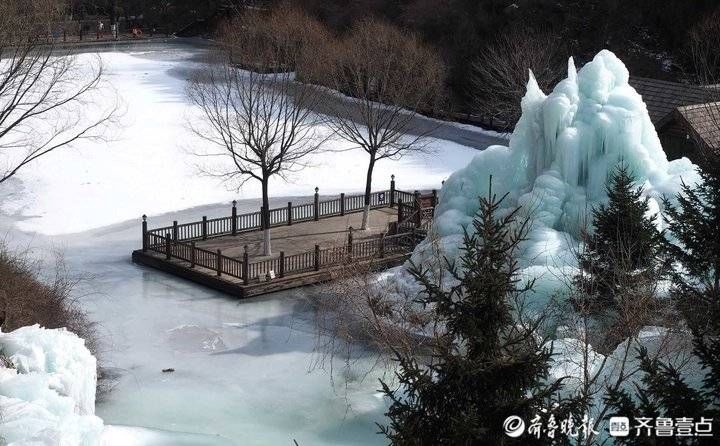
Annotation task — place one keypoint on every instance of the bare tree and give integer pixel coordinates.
(500, 72)
(258, 121)
(47, 98)
(391, 77)
(360, 308)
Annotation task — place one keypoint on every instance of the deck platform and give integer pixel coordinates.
(302, 237)
(290, 240)
(311, 242)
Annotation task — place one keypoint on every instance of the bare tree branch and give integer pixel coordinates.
(390, 77)
(500, 72)
(48, 100)
(259, 123)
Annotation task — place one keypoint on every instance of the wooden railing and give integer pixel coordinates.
(287, 215)
(177, 242)
(283, 266)
(415, 211)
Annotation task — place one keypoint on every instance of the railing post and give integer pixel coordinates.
(233, 223)
(282, 264)
(192, 254)
(246, 266)
(342, 203)
(382, 246)
(168, 248)
(289, 212)
(204, 227)
(392, 190)
(175, 231)
(393, 228)
(350, 240)
(418, 215)
(144, 233)
(317, 257)
(219, 263)
(316, 208)
(400, 210)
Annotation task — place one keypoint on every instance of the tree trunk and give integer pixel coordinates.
(368, 191)
(265, 217)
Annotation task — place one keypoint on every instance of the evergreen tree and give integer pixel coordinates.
(695, 225)
(625, 247)
(485, 366)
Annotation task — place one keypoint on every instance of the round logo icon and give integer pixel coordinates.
(514, 426)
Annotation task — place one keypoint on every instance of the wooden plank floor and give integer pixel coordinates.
(302, 237)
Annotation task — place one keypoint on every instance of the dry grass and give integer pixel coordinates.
(28, 296)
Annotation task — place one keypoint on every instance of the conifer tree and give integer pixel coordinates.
(485, 365)
(624, 248)
(664, 392)
(695, 225)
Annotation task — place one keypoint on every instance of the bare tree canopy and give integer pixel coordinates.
(258, 122)
(391, 77)
(500, 72)
(47, 98)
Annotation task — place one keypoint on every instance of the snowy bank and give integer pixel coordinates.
(47, 389)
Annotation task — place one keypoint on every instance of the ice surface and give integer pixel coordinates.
(147, 166)
(559, 157)
(48, 395)
(246, 372)
(137, 436)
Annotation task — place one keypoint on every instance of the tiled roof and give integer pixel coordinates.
(704, 119)
(663, 97)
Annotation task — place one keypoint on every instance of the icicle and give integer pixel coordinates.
(533, 88)
(572, 71)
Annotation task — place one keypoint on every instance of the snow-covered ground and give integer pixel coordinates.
(148, 166)
(245, 372)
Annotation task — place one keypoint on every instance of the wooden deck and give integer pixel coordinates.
(290, 240)
(311, 242)
(302, 237)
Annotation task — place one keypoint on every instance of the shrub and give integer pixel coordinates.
(27, 297)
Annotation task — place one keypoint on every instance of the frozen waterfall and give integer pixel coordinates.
(560, 154)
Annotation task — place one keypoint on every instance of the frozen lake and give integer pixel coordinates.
(244, 371)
